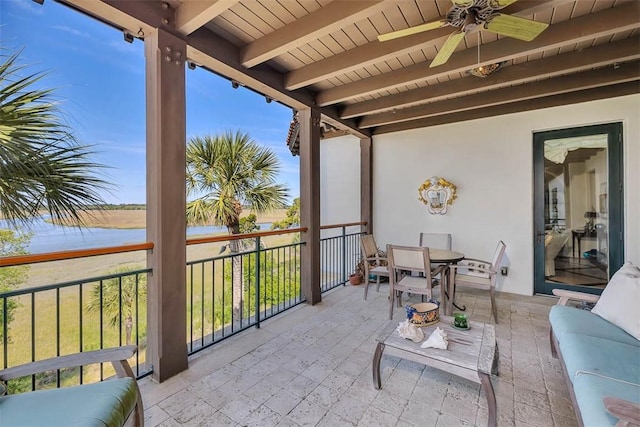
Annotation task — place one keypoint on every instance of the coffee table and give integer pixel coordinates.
(471, 354)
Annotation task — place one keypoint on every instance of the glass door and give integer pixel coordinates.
(577, 207)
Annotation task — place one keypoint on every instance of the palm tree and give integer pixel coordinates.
(229, 171)
(116, 298)
(42, 166)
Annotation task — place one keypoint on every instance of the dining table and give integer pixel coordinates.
(446, 257)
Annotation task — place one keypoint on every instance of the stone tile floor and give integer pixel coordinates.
(311, 366)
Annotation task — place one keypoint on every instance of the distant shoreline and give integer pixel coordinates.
(128, 218)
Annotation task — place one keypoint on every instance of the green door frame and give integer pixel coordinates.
(615, 201)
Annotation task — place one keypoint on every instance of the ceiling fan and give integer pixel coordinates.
(467, 15)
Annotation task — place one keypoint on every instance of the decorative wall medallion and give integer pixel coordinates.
(437, 193)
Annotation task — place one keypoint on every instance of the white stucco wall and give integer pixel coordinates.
(491, 162)
(340, 178)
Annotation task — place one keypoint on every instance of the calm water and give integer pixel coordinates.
(51, 238)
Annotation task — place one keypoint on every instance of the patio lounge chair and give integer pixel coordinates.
(115, 402)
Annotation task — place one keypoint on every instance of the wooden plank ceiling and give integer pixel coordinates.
(326, 54)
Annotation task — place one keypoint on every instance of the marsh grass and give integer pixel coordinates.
(58, 322)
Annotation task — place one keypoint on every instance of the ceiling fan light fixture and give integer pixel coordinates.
(485, 70)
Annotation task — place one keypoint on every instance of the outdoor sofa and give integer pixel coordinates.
(600, 350)
(114, 402)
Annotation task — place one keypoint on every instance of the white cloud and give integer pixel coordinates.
(29, 6)
(71, 31)
(123, 47)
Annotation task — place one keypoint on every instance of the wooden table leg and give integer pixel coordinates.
(377, 355)
(487, 387)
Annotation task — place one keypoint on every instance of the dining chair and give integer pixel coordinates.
(409, 259)
(476, 273)
(439, 241)
(374, 262)
(435, 240)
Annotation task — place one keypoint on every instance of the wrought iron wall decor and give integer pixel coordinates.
(437, 193)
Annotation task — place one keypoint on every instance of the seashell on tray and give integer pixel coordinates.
(410, 331)
(438, 339)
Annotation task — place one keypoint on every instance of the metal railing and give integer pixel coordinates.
(71, 317)
(226, 293)
(229, 293)
(339, 253)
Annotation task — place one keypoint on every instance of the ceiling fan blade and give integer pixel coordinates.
(413, 30)
(465, 4)
(513, 26)
(499, 4)
(447, 48)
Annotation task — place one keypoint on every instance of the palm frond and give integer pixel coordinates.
(42, 165)
(230, 170)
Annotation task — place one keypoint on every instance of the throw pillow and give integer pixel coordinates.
(618, 303)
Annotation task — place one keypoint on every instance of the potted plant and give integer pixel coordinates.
(355, 278)
(358, 276)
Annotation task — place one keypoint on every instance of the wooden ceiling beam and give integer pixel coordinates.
(323, 21)
(147, 16)
(606, 76)
(587, 27)
(605, 92)
(209, 50)
(376, 52)
(193, 14)
(220, 56)
(594, 57)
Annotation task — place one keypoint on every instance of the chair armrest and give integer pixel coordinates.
(455, 267)
(628, 413)
(117, 356)
(566, 295)
(476, 260)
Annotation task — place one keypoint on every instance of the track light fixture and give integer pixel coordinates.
(128, 37)
(235, 84)
(191, 65)
(268, 99)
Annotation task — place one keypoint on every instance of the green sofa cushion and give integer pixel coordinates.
(107, 403)
(600, 356)
(591, 389)
(566, 319)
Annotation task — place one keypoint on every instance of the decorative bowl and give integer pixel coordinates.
(424, 313)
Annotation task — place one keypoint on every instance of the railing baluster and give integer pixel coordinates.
(257, 282)
(191, 310)
(80, 337)
(101, 326)
(202, 319)
(5, 331)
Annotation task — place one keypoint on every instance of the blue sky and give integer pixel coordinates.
(99, 81)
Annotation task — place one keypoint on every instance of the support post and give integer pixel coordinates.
(366, 187)
(166, 198)
(310, 202)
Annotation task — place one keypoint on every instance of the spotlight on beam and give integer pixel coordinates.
(191, 65)
(268, 99)
(128, 37)
(235, 84)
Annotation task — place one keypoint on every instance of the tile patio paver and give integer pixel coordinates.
(311, 366)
